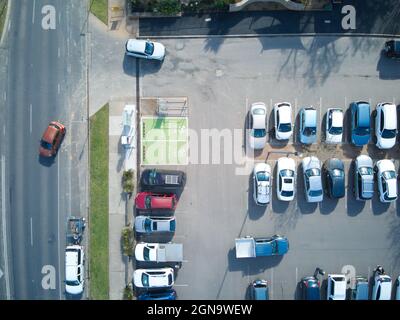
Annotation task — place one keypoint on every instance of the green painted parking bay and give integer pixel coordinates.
(164, 140)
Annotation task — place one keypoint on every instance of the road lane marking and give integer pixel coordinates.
(296, 275)
(272, 283)
(59, 52)
(5, 96)
(58, 88)
(3, 211)
(58, 225)
(30, 118)
(181, 285)
(31, 233)
(33, 11)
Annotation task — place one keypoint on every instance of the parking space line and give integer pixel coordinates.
(181, 285)
(320, 108)
(369, 272)
(296, 275)
(33, 11)
(272, 283)
(370, 204)
(30, 118)
(31, 233)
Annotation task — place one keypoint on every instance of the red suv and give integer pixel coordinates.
(51, 139)
(149, 201)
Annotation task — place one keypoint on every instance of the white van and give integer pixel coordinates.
(74, 269)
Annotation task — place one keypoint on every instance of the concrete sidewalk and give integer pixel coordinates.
(120, 208)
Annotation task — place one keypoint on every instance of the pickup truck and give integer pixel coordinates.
(159, 252)
(250, 247)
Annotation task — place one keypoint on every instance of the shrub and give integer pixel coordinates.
(127, 241)
(167, 7)
(128, 292)
(127, 181)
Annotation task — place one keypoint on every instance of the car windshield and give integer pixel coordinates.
(315, 193)
(259, 111)
(145, 280)
(389, 175)
(313, 172)
(287, 173)
(286, 193)
(388, 134)
(337, 173)
(259, 133)
(262, 176)
(310, 131)
(336, 130)
(146, 254)
(147, 225)
(148, 202)
(149, 48)
(285, 127)
(72, 283)
(362, 131)
(153, 178)
(45, 145)
(366, 171)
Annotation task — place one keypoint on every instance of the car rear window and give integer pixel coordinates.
(45, 145)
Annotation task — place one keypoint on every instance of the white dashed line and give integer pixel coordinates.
(31, 232)
(58, 88)
(5, 96)
(59, 52)
(181, 285)
(33, 11)
(296, 275)
(30, 118)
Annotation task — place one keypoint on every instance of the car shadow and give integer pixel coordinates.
(254, 211)
(278, 206)
(155, 238)
(388, 68)
(346, 124)
(69, 296)
(46, 162)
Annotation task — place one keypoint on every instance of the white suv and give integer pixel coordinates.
(382, 289)
(385, 125)
(153, 278)
(74, 269)
(336, 287)
(387, 180)
(283, 120)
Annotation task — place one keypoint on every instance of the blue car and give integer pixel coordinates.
(360, 123)
(160, 295)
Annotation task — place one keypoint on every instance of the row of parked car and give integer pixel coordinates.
(333, 171)
(385, 124)
(156, 203)
(310, 287)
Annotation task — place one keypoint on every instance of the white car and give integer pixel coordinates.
(334, 126)
(312, 179)
(382, 288)
(145, 224)
(258, 131)
(74, 269)
(145, 49)
(262, 183)
(283, 120)
(153, 278)
(385, 125)
(387, 180)
(336, 287)
(286, 179)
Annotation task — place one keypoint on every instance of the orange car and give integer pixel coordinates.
(51, 139)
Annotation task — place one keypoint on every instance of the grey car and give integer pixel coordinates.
(335, 178)
(308, 125)
(259, 290)
(363, 178)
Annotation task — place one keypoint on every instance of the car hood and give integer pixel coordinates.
(257, 143)
(310, 163)
(392, 187)
(360, 140)
(384, 143)
(74, 289)
(308, 139)
(139, 223)
(283, 246)
(159, 50)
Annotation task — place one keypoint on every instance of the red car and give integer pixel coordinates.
(51, 139)
(149, 201)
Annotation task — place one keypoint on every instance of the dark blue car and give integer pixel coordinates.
(360, 123)
(159, 295)
(310, 288)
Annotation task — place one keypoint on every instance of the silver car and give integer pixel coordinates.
(145, 224)
(308, 125)
(145, 49)
(258, 131)
(312, 179)
(262, 183)
(364, 178)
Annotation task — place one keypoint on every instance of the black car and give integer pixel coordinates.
(158, 180)
(310, 288)
(392, 49)
(335, 178)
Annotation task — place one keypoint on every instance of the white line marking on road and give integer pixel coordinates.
(30, 118)
(59, 17)
(31, 232)
(369, 271)
(9, 26)
(58, 225)
(181, 285)
(33, 11)
(185, 261)
(58, 88)
(345, 102)
(5, 96)
(296, 275)
(59, 52)
(272, 283)
(320, 107)
(370, 204)
(4, 130)
(3, 211)
(394, 100)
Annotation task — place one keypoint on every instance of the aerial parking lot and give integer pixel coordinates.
(221, 79)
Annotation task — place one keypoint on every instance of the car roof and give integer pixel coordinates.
(392, 187)
(135, 45)
(71, 263)
(337, 117)
(50, 133)
(362, 290)
(160, 202)
(364, 161)
(363, 114)
(310, 117)
(390, 118)
(315, 183)
(385, 165)
(285, 113)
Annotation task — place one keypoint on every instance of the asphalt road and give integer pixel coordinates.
(46, 81)
(221, 77)
(372, 17)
